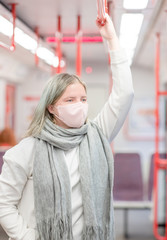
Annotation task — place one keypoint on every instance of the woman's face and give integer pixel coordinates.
(74, 93)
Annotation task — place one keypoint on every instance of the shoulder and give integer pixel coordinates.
(22, 153)
(24, 146)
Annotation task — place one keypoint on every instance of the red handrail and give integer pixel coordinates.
(101, 10)
(84, 39)
(158, 162)
(78, 54)
(14, 25)
(37, 36)
(59, 53)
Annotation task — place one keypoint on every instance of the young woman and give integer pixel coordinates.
(57, 182)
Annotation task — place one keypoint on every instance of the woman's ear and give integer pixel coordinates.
(51, 109)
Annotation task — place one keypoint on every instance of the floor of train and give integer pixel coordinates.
(139, 225)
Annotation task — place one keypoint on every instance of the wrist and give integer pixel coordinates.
(113, 43)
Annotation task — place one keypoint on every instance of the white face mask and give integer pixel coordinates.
(73, 115)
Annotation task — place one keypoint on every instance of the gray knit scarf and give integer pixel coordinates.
(52, 184)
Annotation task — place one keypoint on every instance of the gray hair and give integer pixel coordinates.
(51, 94)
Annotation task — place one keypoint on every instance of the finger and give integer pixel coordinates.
(97, 23)
(100, 22)
(108, 19)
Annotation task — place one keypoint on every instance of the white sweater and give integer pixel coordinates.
(16, 180)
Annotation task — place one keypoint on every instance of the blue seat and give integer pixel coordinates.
(128, 191)
(128, 181)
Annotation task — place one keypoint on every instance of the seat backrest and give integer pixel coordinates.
(128, 181)
(151, 174)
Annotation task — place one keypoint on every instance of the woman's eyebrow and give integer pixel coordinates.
(75, 97)
(69, 97)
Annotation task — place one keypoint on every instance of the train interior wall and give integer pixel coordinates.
(18, 70)
(30, 80)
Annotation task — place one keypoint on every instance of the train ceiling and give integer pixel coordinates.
(44, 15)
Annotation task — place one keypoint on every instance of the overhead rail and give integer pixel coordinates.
(12, 46)
(101, 10)
(159, 163)
(83, 39)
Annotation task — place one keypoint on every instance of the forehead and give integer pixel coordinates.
(75, 89)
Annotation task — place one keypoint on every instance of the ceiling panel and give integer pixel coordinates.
(43, 13)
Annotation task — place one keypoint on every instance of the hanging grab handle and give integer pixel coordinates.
(101, 10)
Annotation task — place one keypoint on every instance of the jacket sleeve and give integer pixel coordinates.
(113, 114)
(12, 182)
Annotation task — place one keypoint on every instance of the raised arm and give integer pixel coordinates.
(112, 116)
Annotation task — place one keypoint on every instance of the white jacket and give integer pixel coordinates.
(16, 180)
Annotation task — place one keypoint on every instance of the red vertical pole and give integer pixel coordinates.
(36, 56)
(106, 6)
(157, 69)
(158, 163)
(9, 111)
(59, 54)
(78, 41)
(12, 47)
(157, 60)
